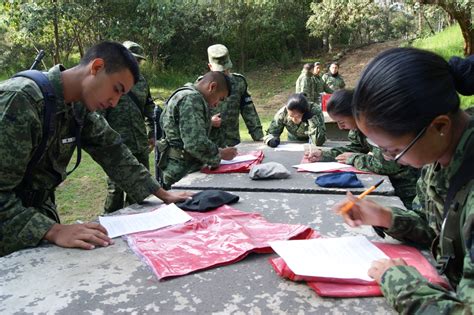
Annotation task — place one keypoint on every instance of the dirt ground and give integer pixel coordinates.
(271, 94)
(355, 60)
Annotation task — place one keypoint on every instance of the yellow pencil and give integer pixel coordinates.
(348, 206)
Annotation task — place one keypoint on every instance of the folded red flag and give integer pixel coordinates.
(218, 237)
(241, 167)
(346, 169)
(336, 288)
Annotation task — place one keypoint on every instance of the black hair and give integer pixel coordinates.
(222, 80)
(340, 103)
(116, 58)
(298, 102)
(403, 89)
(308, 66)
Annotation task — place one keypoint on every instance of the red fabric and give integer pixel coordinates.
(330, 288)
(324, 100)
(347, 169)
(243, 167)
(218, 237)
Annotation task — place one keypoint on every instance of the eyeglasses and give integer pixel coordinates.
(405, 150)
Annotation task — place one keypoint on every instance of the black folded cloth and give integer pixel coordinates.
(207, 200)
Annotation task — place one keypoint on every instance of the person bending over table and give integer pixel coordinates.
(412, 112)
(304, 121)
(361, 153)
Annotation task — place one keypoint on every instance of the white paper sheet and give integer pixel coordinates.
(290, 147)
(127, 224)
(318, 167)
(342, 257)
(239, 158)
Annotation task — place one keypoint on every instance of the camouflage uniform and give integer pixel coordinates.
(239, 102)
(334, 82)
(403, 286)
(27, 208)
(305, 84)
(186, 146)
(134, 122)
(403, 178)
(320, 87)
(313, 128)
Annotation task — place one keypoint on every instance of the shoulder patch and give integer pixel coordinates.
(25, 85)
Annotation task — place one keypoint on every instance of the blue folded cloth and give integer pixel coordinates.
(340, 180)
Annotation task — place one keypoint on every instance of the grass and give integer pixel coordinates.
(447, 44)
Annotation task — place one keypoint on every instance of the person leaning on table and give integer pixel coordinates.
(28, 213)
(412, 113)
(304, 121)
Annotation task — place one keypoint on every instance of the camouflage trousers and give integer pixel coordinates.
(177, 169)
(116, 198)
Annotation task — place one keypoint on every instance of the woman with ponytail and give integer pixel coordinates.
(406, 102)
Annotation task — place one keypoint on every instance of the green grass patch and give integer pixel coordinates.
(447, 44)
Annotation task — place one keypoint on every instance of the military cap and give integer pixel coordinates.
(317, 63)
(135, 49)
(219, 57)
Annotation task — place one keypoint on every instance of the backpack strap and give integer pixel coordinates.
(47, 90)
(450, 237)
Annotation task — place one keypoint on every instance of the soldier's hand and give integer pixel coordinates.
(228, 153)
(216, 120)
(84, 235)
(172, 197)
(344, 157)
(364, 212)
(378, 267)
(314, 156)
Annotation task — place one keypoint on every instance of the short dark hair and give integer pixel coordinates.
(116, 58)
(308, 66)
(222, 80)
(403, 89)
(298, 102)
(340, 103)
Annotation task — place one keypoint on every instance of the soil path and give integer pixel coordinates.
(272, 96)
(355, 60)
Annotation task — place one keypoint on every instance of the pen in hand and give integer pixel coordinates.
(348, 206)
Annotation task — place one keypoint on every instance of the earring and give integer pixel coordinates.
(441, 134)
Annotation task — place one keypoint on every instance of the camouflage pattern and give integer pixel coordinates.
(403, 286)
(134, 123)
(313, 129)
(320, 87)
(219, 58)
(238, 103)
(334, 82)
(24, 221)
(186, 123)
(403, 178)
(305, 84)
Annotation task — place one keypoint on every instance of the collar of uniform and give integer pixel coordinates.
(54, 76)
(460, 152)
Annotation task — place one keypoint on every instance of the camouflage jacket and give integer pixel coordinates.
(334, 83)
(403, 178)
(239, 102)
(305, 84)
(134, 122)
(21, 123)
(320, 87)
(186, 124)
(403, 286)
(313, 128)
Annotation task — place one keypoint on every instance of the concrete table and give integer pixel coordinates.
(299, 182)
(49, 279)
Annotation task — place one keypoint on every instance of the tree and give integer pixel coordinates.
(460, 11)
